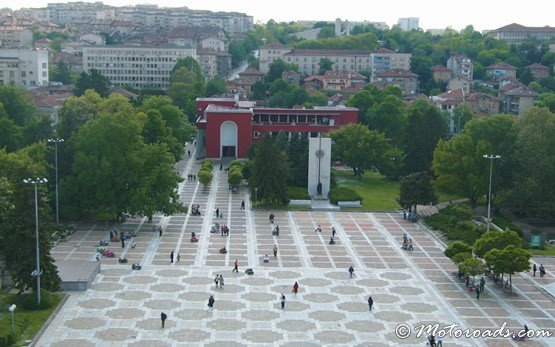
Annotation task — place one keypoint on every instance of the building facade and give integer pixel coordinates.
(15, 37)
(461, 66)
(140, 67)
(409, 23)
(516, 33)
(404, 79)
(500, 71)
(24, 67)
(227, 127)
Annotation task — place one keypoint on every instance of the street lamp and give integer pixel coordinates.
(12, 309)
(255, 194)
(55, 142)
(490, 157)
(36, 272)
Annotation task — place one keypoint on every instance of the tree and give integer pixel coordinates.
(509, 260)
(186, 84)
(326, 32)
(416, 189)
(192, 65)
(258, 91)
(17, 104)
(360, 148)
(92, 80)
(205, 177)
(462, 114)
(11, 136)
(496, 239)
(61, 73)
(457, 247)
(297, 154)
(324, 65)
(235, 177)
(172, 116)
(155, 130)
(215, 86)
(389, 117)
(426, 126)
(277, 68)
(269, 173)
(546, 100)
(472, 266)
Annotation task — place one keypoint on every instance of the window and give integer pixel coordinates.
(255, 134)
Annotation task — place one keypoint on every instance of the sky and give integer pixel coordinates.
(433, 14)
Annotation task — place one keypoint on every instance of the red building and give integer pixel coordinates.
(227, 127)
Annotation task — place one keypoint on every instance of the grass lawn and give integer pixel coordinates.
(378, 193)
(36, 318)
(548, 250)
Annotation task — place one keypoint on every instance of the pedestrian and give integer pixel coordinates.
(122, 243)
(534, 268)
(189, 152)
(282, 300)
(236, 268)
(542, 270)
(271, 218)
(221, 281)
(217, 280)
(178, 257)
(439, 341)
(171, 257)
(351, 271)
(217, 212)
(163, 317)
(332, 232)
(194, 177)
(211, 301)
(242, 204)
(405, 238)
(478, 291)
(221, 166)
(159, 230)
(482, 284)
(295, 288)
(370, 303)
(275, 251)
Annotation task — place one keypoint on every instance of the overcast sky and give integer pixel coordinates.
(482, 14)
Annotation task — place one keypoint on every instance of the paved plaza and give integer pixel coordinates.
(123, 306)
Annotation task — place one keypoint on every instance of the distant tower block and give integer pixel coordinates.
(338, 27)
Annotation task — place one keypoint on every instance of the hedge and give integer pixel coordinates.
(297, 193)
(7, 338)
(343, 194)
(206, 164)
(29, 301)
(236, 164)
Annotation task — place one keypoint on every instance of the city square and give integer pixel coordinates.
(123, 306)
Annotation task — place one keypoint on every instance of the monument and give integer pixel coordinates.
(319, 167)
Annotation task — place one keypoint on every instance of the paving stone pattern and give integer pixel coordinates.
(123, 306)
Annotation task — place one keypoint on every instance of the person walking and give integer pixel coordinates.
(542, 270)
(163, 317)
(217, 212)
(275, 251)
(370, 303)
(221, 281)
(122, 242)
(482, 284)
(242, 204)
(236, 268)
(159, 230)
(178, 257)
(333, 232)
(295, 288)
(282, 300)
(271, 218)
(211, 301)
(217, 280)
(351, 271)
(534, 269)
(478, 291)
(171, 257)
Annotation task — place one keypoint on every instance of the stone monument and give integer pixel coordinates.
(319, 167)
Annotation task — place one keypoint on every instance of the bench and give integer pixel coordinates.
(349, 203)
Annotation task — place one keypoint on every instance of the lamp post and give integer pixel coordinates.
(12, 309)
(255, 194)
(55, 142)
(36, 272)
(490, 157)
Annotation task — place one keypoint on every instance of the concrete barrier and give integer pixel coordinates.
(300, 202)
(349, 204)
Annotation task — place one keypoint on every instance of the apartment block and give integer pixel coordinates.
(24, 67)
(408, 23)
(516, 33)
(461, 65)
(140, 67)
(15, 37)
(404, 79)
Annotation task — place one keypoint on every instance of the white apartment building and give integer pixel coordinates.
(15, 37)
(140, 67)
(308, 60)
(408, 23)
(24, 67)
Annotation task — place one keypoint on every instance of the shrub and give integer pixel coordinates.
(7, 338)
(206, 164)
(297, 193)
(457, 247)
(343, 194)
(465, 231)
(236, 164)
(235, 177)
(29, 301)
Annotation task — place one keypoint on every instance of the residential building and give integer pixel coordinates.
(251, 75)
(516, 33)
(440, 73)
(209, 37)
(461, 66)
(15, 37)
(24, 67)
(310, 34)
(227, 127)
(141, 67)
(500, 70)
(339, 80)
(73, 61)
(459, 82)
(538, 71)
(408, 23)
(92, 39)
(214, 63)
(307, 60)
(292, 77)
(404, 79)
(484, 104)
(517, 100)
(448, 102)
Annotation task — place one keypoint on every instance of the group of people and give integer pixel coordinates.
(407, 243)
(193, 237)
(541, 268)
(171, 257)
(191, 177)
(275, 231)
(195, 210)
(224, 229)
(219, 280)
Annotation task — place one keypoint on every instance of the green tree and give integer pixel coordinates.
(324, 65)
(496, 239)
(235, 177)
(457, 247)
(326, 32)
(297, 154)
(269, 173)
(426, 126)
(416, 189)
(185, 86)
(155, 130)
(17, 104)
(277, 68)
(172, 116)
(473, 266)
(215, 86)
(205, 177)
(192, 65)
(92, 80)
(360, 148)
(509, 260)
(546, 100)
(258, 91)
(389, 117)
(61, 73)
(11, 136)
(462, 114)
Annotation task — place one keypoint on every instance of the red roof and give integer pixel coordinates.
(537, 66)
(396, 73)
(439, 68)
(501, 66)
